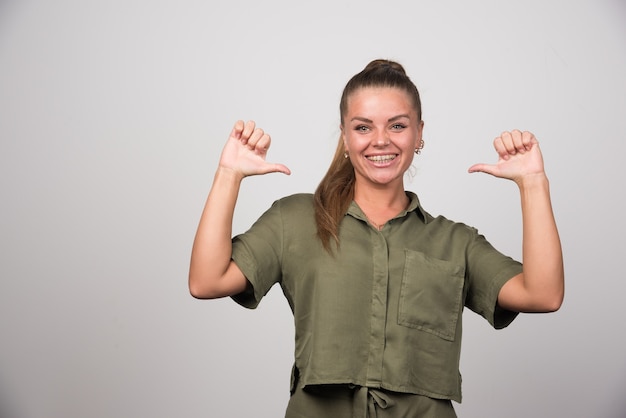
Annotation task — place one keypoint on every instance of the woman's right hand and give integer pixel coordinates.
(246, 149)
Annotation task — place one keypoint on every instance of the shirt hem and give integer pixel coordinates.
(414, 390)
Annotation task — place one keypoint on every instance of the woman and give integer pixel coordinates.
(376, 284)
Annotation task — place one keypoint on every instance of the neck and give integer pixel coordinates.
(380, 205)
(381, 199)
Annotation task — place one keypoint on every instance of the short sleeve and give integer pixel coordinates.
(488, 270)
(258, 253)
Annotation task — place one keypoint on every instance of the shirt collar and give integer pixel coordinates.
(414, 206)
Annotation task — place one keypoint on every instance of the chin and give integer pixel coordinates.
(385, 180)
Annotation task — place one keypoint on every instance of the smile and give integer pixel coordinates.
(382, 158)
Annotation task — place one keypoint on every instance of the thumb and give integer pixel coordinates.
(481, 168)
(278, 168)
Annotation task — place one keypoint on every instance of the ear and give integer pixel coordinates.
(420, 130)
(343, 138)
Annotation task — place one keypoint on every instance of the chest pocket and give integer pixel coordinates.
(431, 294)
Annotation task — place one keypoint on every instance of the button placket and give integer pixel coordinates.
(380, 279)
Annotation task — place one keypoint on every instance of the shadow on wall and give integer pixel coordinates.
(619, 410)
(6, 410)
(618, 406)
(6, 6)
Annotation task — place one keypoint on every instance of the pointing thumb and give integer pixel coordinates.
(482, 168)
(279, 168)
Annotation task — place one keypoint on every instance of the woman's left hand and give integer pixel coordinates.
(519, 156)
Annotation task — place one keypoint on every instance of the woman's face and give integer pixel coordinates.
(380, 132)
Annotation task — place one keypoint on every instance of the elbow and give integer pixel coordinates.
(201, 293)
(195, 290)
(557, 297)
(199, 289)
(552, 303)
(549, 297)
(550, 307)
(556, 303)
(214, 285)
(196, 293)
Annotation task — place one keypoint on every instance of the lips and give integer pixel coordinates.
(381, 158)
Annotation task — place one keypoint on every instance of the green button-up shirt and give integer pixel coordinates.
(385, 310)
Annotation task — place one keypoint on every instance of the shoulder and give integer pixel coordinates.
(292, 208)
(296, 213)
(286, 216)
(449, 226)
(299, 201)
(439, 224)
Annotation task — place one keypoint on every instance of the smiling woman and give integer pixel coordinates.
(376, 284)
(381, 131)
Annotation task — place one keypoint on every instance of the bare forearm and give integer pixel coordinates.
(212, 248)
(212, 274)
(542, 255)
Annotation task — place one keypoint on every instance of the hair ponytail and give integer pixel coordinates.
(336, 190)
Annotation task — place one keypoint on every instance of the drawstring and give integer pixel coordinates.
(367, 399)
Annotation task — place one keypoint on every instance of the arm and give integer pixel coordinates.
(540, 287)
(212, 273)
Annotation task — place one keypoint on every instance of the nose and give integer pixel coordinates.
(382, 139)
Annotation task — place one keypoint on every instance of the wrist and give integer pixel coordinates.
(228, 174)
(533, 181)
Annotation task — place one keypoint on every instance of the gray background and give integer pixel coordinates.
(112, 117)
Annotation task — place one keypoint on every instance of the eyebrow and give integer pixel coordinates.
(371, 121)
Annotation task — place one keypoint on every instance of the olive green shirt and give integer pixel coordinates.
(385, 310)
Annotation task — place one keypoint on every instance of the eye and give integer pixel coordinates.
(398, 126)
(361, 128)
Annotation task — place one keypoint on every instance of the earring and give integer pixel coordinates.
(418, 150)
(345, 154)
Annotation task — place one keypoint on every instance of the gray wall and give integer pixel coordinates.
(112, 118)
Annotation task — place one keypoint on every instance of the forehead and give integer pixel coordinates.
(379, 100)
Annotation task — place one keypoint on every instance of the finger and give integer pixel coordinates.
(260, 145)
(508, 142)
(247, 131)
(263, 143)
(517, 137)
(528, 139)
(498, 144)
(256, 136)
(237, 129)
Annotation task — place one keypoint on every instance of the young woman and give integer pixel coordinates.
(376, 284)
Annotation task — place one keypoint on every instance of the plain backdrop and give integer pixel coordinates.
(112, 118)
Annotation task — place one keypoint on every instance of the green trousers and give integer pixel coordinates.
(340, 401)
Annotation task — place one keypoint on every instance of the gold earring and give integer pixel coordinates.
(418, 150)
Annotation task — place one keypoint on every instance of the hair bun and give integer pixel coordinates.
(383, 64)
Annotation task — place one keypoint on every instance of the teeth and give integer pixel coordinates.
(381, 158)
